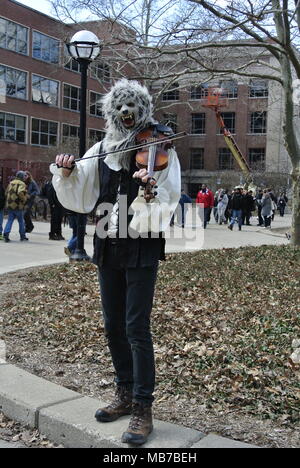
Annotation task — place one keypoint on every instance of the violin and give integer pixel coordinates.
(154, 155)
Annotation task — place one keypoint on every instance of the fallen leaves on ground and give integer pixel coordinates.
(223, 324)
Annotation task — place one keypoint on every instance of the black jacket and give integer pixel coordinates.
(140, 252)
(2, 197)
(237, 202)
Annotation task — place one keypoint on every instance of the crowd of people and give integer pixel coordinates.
(232, 207)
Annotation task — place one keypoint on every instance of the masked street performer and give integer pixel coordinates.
(127, 259)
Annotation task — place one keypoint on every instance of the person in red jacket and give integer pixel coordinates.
(205, 200)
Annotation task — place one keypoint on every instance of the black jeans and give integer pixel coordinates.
(127, 298)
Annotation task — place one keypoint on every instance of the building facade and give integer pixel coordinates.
(40, 107)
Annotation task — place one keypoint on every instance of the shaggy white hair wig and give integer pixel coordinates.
(127, 109)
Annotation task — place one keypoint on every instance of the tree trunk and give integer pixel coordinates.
(295, 239)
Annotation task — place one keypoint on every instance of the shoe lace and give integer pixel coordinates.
(123, 395)
(138, 417)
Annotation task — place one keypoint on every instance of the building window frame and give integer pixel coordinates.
(225, 159)
(7, 69)
(258, 88)
(44, 132)
(198, 123)
(230, 89)
(258, 123)
(72, 100)
(5, 129)
(101, 71)
(95, 107)
(257, 159)
(172, 93)
(20, 28)
(49, 47)
(171, 121)
(229, 121)
(197, 158)
(92, 139)
(43, 91)
(198, 92)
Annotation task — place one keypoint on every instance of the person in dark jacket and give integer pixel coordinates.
(236, 205)
(248, 207)
(281, 203)
(259, 207)
(32, 190)
(2, 205)
(56, 211)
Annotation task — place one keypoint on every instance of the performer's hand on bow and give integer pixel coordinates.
(66, 162)
(142, 174)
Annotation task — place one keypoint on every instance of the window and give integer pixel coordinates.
(44, 132)
(172, 94)
(15, 82)
(69, 132)
(13, 36)
(95, 136)
(257, 159)
(230, 88)
(199, 92)
(71, 98)
(101, 71)
(198, 123)
(45, 48)
(229, 121)
(95, 104)
(12, 127)
(258, 88)
(197, 158)
(258, 122)
(44, 90)
(226, 162)
(171, 121)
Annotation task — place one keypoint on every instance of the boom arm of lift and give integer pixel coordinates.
(236, 152)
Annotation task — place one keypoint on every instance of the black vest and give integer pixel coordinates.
(139, 252)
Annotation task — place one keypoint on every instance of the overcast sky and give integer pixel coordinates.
(40, 5)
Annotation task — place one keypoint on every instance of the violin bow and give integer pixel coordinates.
(176, 136)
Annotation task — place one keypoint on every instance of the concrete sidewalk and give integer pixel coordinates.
(39, 250)
(67, 417)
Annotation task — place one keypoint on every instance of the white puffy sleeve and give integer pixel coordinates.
(80, 191)
(155, 216)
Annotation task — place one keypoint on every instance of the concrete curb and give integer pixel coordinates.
(67, 417)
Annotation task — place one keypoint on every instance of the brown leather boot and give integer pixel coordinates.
(140, 425)
(120, 406)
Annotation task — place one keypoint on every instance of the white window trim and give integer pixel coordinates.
(26, 126)
(28, 38)
(62, 96)
(51, 37)
(47, 120)
(50, 79)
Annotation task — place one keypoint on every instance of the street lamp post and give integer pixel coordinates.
(84, 47)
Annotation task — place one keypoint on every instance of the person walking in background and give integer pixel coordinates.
(56, 211)
(236, 205)
(281, 204)
(184, 202)
(249, 206)
(2, 205)
(266, 210)
(222, 205)
(259, 207)
(33, 190)
(205, 200)
(72, 243)
(16, 199)
(273, 202)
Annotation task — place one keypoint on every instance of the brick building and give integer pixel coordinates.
(40, 97)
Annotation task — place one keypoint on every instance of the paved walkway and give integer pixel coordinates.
(39, 250)
(55, 410)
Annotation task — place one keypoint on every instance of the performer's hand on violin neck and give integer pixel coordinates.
(142, 174)
(66, 162)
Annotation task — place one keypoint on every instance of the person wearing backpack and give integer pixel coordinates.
(16, 198)
(2, 205)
